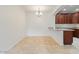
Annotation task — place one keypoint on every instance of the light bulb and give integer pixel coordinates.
(64, 9)
(76, 9)
(39, 13)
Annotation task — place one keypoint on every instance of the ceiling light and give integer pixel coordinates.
(76, 9)
(38, 12)
(64, 9)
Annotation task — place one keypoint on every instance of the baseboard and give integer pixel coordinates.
(16, 42)
(57, 41)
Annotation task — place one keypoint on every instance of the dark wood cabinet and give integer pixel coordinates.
(63, 18)
(60, 18)
(68, 37)
(76, 33)
(69, 18)
(75, 18)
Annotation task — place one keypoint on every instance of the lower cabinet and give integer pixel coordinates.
(76, 33)
(68, 37)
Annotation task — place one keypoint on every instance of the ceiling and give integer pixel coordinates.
(42, 8)
(69, 8)
(50, 8)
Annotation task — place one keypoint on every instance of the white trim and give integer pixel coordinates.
(20, 38)
(57, 10)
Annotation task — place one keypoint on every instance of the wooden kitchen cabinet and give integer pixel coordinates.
(60, 18)
(69, 18)
(75, 18)
(76, 33)
(68, 37)
(63, 18)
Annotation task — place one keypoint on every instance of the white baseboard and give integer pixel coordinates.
(16, 43)
(60, 43)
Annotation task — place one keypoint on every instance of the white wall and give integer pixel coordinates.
(38, 26)
(58, 36)
(12, 26)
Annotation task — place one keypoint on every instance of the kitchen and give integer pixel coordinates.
(67, 20)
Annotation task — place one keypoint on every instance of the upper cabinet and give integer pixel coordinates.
(63, 18)
(59, 18)
(67, 18)
(75, 18)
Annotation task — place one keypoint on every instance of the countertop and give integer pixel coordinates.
(64, 29)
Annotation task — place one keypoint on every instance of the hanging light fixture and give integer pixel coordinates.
(38, 12)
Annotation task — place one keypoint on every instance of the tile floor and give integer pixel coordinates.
(41, 45)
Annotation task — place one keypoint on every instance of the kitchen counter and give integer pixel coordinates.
(67, 35)
(64, 29)
(75, 28)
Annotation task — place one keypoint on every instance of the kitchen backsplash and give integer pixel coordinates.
(63, 26)
(77, 25)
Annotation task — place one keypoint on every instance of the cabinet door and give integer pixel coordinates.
(76, 33)
(75, 19)
(65, 18)
(60, 18)
(68, 37)
(69, 18)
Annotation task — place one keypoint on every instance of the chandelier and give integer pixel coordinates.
(38, 12)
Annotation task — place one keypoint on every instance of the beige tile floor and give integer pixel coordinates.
(41, 45)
